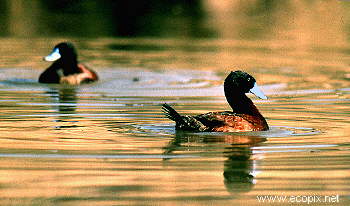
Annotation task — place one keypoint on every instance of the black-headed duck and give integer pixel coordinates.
(244, 117)
(66, 69)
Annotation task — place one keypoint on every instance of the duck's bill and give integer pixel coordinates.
(256, 90)
(53, 56)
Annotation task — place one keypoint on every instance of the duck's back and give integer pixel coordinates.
(84, 75)
(216, 121)
(90, 74)
(231, 122)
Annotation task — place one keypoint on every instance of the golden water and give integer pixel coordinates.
(108, 143)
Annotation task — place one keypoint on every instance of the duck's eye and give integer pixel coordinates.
(248, 79)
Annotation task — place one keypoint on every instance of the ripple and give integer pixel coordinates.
(274, 131)
(290, 148)
(91, 156)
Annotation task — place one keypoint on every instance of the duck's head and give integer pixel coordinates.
(64, 51)
(242, 82)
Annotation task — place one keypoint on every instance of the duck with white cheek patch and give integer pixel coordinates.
(65, 68)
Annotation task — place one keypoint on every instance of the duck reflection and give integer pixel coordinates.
(66, 97)
(68, 100)
(239, 169)
(240, 164)
(64, 101)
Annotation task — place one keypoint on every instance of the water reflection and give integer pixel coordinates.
(253, 19)
(96, 18)
(240, 164)
(66, 98)
(239, 169)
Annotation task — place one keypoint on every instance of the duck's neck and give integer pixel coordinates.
(241, 104)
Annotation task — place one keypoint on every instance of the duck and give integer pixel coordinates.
(244, 116)
(65, 68)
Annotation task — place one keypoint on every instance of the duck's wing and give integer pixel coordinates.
(215, 118)
(90, 75)
(225, 122)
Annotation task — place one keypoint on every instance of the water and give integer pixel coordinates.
(108, 143)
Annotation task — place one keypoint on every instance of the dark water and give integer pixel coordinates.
(108, 143)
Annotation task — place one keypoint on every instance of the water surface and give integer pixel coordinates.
(108, 143)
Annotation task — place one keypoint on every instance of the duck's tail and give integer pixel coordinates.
(171, 113)
(187, 123)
